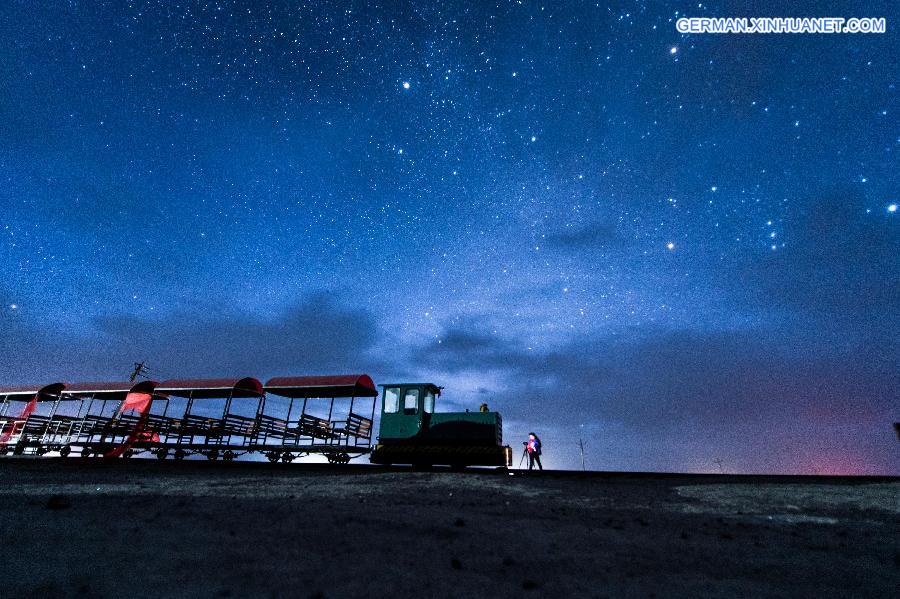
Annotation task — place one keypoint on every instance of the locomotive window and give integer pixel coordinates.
(429, 402)
(411, 401)
(392, 400)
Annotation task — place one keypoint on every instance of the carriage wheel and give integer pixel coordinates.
(65, 450)
(228, 456)
(337, 458)
(4, 450)
(161, 453)
(180, 454)
(273, 456)
(287, 457)
(213, 455)
(128, 453)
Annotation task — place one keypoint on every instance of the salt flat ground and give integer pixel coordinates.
(196, 529)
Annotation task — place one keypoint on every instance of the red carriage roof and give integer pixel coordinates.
(110, 390)
(207, 388)
(345, 385)
(27, 392)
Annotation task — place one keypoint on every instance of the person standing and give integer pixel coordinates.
(534, 451)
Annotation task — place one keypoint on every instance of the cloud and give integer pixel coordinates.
(468, 345)
(594, 235)
(675, 400)
(318, 335)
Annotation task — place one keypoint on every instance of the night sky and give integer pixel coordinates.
(683, 248)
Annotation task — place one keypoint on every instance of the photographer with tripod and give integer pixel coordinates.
(533, 451)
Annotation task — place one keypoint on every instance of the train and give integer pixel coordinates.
(282, 420)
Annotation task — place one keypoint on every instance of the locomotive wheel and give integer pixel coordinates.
(161, 453)
(4, 450)
(19, 450)
(85, 452)
(65, 450)
(213, 455)
(287, 457)
(273, 456)
(180, 454)
(228, 456)
(128, 453)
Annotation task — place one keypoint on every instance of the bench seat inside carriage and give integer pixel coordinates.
(35, 426)
(32, 428)
(94, 425)
(64, 426)
(314, 427)
(11, 426)
(355, 426)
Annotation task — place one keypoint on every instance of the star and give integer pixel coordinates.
(13, 306)
(673, 49)
(892, 208)
(670, 245)
(406, 85)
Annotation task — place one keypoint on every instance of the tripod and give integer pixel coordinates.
(524, 454)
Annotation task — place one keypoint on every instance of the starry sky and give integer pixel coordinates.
(682, 249)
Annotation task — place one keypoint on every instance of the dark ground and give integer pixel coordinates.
(198, 529)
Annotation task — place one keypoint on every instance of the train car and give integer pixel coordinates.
(284, 419)
(413, 432)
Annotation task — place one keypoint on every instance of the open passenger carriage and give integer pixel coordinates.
(287, 418)
(29, 420)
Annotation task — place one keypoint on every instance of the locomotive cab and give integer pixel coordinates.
(413, 432)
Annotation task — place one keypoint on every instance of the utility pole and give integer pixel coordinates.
(139, 370)
(581, 444)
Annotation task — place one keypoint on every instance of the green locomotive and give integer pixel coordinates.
(412, 432)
